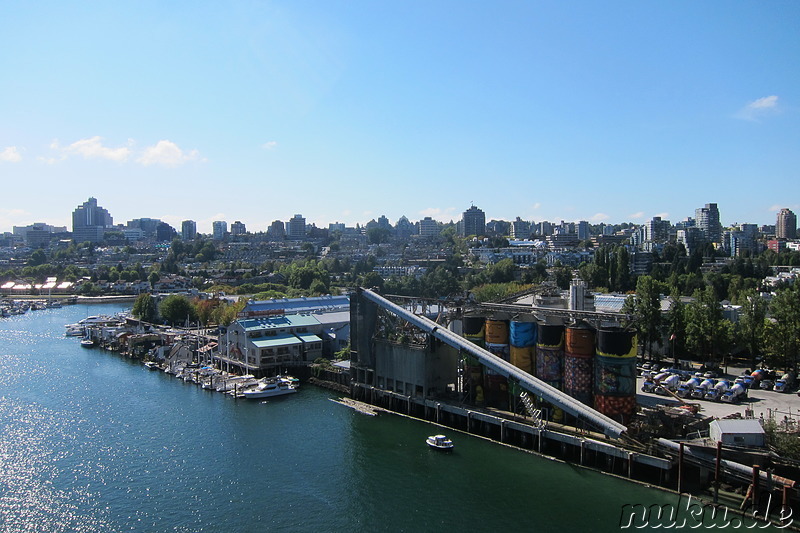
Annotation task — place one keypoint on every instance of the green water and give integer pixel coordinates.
(90, 441)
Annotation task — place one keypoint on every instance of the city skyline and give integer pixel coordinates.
(256, 112)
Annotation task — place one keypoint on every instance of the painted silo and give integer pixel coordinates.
(522, 334)
(473, 329)
(578, 355)
(615, 374)
(500, 350)
(550, 353)
(496, 331)
(522, 337)
(522, 357)
(495, 389)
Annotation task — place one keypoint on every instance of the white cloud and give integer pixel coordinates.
(664, 216)
(168, 154)
(271, 145)
(599, 217)
(758, 108)
(10, 154)
(635, 216)
(537, 205)
(92, 148)
(438, 213)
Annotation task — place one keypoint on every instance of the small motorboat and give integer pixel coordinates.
(87, 343)
(440, 442)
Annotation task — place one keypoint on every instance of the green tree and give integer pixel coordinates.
(144, 308)
(177, 309)
(752, 323)
(703, 317)
(38, 257)
(785, 335)
(647, 312)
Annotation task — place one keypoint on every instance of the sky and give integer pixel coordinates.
(344, 111)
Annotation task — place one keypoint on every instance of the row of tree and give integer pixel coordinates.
(699, 329)
(178, 309)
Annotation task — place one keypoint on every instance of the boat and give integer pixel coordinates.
(87, 343)
(271, 387)
(151, 365)
(440, 442)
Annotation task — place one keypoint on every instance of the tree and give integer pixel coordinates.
(676, 322)
(177, 309)
(144, 308)
(38, 257)
(647, 311)
(752, 323)
(785, 335)
(703, 318)
(563, 276)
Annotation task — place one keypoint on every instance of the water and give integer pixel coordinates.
(90, 441)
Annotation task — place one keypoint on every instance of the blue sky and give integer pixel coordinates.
(348, 110)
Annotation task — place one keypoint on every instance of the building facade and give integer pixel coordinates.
(219, 229)
(296, 227)
(707, 220)
(89, 222)
(473, 222)
(786, 225)
(188, 230)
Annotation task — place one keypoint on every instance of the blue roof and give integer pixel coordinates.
(278, 322)
(299, 305)
(609, 302)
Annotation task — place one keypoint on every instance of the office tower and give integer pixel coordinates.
(219, 229)
(707, 220)
(89, 222)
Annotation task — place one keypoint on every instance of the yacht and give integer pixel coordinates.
(271, 387)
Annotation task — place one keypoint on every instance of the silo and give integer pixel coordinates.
(496, 331)
(495, 385)
(578, 355)
(474, 330)
(523, 345)
(615, 374)
(550, 353)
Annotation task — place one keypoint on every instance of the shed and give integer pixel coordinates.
(737, 432)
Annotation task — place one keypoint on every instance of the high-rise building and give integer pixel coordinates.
(219, 228)
(296, 227)
(707, 219)
(276, 230)
(583, 230)
(473, 222)
(188, 230)
(786, 225)
(520, 229)
(428, 227)
(238, 228)
(89, 222)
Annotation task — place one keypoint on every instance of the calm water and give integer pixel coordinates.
(90, 441)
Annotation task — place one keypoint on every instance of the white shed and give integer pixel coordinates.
(737, 432)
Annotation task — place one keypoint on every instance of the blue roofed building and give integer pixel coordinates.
(270, 336)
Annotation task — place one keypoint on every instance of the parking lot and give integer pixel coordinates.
(782, 404)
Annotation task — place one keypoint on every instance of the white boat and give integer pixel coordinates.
(440, 442)
(75, 330)
(87, 343)
(151, 365)
(271, 387)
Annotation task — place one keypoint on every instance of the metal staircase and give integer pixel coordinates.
(536, 414)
